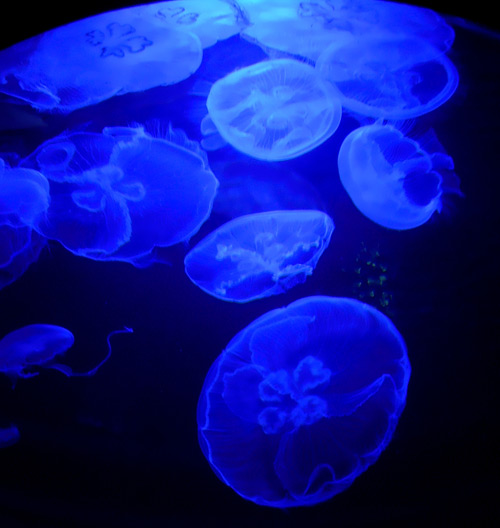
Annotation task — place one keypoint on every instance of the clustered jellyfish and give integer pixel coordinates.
(258, 255)
(303, 400)
(306, 397)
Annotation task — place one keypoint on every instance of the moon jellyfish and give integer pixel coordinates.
(210, 21)
(118, 194)
(306, 28)
(389, 77)
(390, 178)
(91, 60)
(274, 110)
(24, 199)
(9, 436)
(303, 400)
(19, 248)
(259, 255)
(38, 345)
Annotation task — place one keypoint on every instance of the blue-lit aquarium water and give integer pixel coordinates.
(248, 267)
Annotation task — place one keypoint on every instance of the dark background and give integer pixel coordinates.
(120, 449)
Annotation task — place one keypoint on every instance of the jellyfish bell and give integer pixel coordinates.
(9, 436)
(273, 110)
(119, 194)
(38, 346)
(259, 255)
(391, 179)
(303, 400)
(88, 61)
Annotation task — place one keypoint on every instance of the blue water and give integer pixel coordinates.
(122, 446)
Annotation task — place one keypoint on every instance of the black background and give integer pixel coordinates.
(122, 450)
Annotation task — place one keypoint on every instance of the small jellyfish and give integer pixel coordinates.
(303, 400)
(390, 178)
(274, 110)
(91, 60)
(119, 194)
(259, 255)
(9, 436)
(389, 77)
(38, 345)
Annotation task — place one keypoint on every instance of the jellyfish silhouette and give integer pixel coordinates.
(390, 178)
(259, 255)
(38, 345)
(389, 77)
(88, 61)
(306, 28)
(118, 194)
(274, 110)
(9, 436)
(303, 400)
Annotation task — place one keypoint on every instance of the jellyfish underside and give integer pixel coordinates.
(307, 397)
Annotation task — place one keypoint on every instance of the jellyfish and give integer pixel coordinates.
(274, 110)
(307, 28)
(91, 60)
(303, 400)
(389, 77)
(38, 345)
(211, 22)
(19, 248)
(259, 255)
(390, 178)
(9, 436)
(119, 194)
(255, 187)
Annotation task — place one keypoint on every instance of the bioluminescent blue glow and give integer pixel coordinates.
(303, 400)
(274, 110)
(307, 28)
(119, 194)
(259, 255)
(9, 436)
(38, 345)
(393, 78)
(390, 178)
(88, 61)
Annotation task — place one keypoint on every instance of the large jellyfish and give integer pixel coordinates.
(38, 345)
(303, 400)
(88, 61)
(9, 436)
(307, 28)
(389, 77)
(118, 194)
(390, 177)
(274, 110)
(258, 255)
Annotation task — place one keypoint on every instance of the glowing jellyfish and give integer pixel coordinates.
(210, 21)
(258, 255)
(91, 60)
(119, 194)
(390, 178)
(389, 77)
(274, 110)
(303, 400)
(19, 248)
(38, 345)
(9, 436)
(307, 28)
